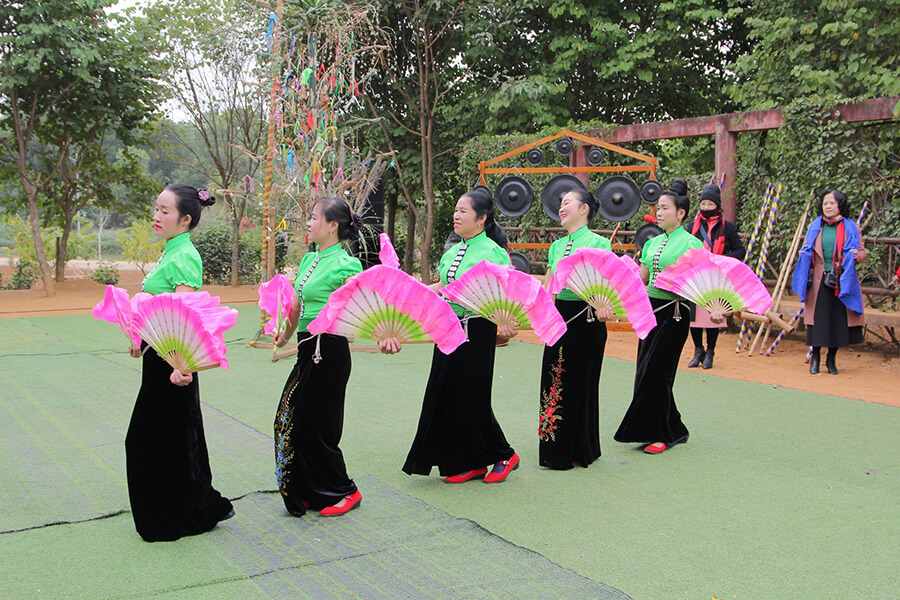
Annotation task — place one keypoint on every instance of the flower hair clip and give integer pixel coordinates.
(203, 193)
(356, 220)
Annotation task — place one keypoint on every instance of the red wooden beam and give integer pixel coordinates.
(876, 109)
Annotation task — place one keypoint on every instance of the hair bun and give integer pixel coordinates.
(205, 198)
(356, 222)
(679, 186)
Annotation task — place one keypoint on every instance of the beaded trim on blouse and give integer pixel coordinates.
(451, 272)
(656, 260)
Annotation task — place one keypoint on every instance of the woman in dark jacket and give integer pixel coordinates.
(719, 237)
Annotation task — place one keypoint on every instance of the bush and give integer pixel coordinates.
(106, 273)
(23, 276)
(214, 246)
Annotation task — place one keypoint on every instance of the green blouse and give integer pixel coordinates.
(564, 246)
(180, 264)
(663, 250)
(466, 254)
(829, 235)
(319, 274)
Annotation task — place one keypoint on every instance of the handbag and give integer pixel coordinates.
(830, 280)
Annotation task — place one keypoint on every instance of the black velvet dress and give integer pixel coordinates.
(457, 428)
(653, 416)
(308, 426)
(169, 479)
(569, 421)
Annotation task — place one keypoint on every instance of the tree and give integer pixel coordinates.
(138, 244)
(842, 48)
(537, 63)
(68, 78)
(212, 58)
(422, 71)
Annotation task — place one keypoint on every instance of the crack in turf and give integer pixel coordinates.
(115, 514)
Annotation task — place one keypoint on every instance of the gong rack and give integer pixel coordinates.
(613, 195)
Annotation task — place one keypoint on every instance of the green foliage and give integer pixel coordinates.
(75, 82)
(19, 230)
(214, 245)
(139, 245)
(106, 273)
(24, 274)
(545, 62)
(818, 48)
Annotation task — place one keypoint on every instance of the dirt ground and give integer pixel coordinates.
(865, 374)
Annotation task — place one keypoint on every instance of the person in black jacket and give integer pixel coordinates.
(719, 237)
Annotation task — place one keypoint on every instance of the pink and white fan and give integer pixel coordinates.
(116, 308)
(606, 282)
(716, 283)
(276, 297)
(383, 302)
(186, 329)
(508, 297)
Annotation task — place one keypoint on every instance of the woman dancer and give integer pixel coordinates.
(169, 479)
(310, 468)
(457, 428)
(569, 420)
(825, 279)
(652, 419)
(719, 237)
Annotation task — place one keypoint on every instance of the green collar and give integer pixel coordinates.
(475, 239)
(328, 251)
(578, 233)
(178, 241)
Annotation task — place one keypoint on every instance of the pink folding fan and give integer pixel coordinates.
(185, 329)
(383, 302)
(717, 283)
(506, 296)
(606, 282)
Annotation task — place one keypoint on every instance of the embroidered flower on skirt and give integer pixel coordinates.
(550, 403)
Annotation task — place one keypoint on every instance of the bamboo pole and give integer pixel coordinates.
(763, 212)
(781, 282)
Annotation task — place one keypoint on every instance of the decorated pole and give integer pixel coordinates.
(783, 276)
(273, 36)
(783, 331)
(760, 218)
(764, 247)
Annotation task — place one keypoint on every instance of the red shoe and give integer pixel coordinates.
(466, 476)
(655, 448)
(347, 504)
(502, 469)
(660, 447)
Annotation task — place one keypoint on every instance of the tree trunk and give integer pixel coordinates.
(46, 275)
(235, 237)
(410, 254)
(391, 214)
(62, 243)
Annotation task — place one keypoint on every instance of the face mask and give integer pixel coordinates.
(710, 213)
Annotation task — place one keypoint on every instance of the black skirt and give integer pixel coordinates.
(569, 420)
(169, 479)
(309, 465)
(653, 416)
(457, 428)
(830, 329)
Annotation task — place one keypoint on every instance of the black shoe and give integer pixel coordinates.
(698, 358)
(814, 365)
(707, 360)
(829, 363)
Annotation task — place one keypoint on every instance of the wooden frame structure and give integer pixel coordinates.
(486, 167)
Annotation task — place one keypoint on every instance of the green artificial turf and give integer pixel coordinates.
(779, 493)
